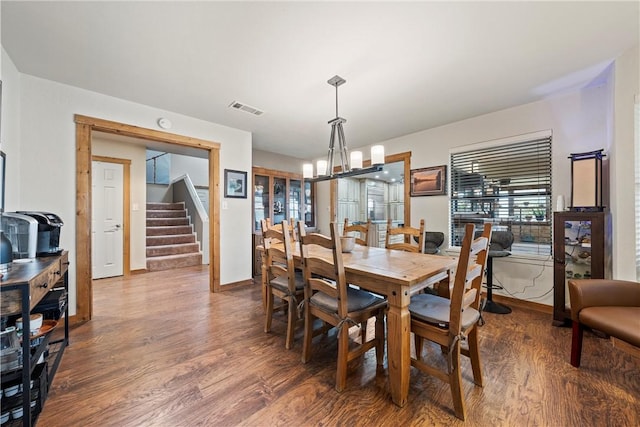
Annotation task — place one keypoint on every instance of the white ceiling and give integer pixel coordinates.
(409, 66)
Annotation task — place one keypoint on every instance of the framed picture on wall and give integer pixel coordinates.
(235, 184)
(431, 181)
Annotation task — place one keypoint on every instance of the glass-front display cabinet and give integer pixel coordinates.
(309, 211)
(581, 250)
(279, 196)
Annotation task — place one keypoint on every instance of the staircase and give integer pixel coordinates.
(171, 242)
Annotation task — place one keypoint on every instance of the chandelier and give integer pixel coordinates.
(351, 164)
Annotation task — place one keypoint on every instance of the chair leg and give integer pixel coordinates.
(291, 322)
(308, 334)
(268, 309)
(419, 341)
(576, 343)
(380, 339)
(455, 380)
(474, 355)
(363, 332)
(343, 354)
(264, 287)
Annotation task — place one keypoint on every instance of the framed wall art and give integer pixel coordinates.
(431, 181)
(235, 184)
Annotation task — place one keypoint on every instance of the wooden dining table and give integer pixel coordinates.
(396, 275)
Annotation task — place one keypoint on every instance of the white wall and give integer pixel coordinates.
(265, 159)
(42, 162)
(10, 137)
(196, 168)
(627, 87)
(137, 154)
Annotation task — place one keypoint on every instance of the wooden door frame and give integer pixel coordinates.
(126, 208)
(85, 126)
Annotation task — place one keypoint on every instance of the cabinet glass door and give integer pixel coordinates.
(260, 200)
(295, 190)
(279, 200)
(577, 244)
(309, 220)
(581, 250)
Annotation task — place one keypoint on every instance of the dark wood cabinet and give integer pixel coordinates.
(581, 250)
(279, 196)
(257, 255)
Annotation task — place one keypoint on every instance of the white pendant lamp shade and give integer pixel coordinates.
(321, 167)
(377, 155)
(307, 170)
(356, 160)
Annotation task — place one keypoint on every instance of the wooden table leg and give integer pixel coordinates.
(398, 345)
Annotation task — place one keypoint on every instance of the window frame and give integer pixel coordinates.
(484, 188)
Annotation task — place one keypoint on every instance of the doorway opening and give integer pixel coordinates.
(85, 126)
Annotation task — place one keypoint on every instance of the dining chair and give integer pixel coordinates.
(291, 224)
(328, 297)
(361, 229)
(452, 322)
(432, 242)
(408, 233)
(282, 281)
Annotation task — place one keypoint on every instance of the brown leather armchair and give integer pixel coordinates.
(609, 306)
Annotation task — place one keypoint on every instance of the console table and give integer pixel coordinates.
(21, 289)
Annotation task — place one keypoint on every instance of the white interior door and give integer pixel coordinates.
(106, 221)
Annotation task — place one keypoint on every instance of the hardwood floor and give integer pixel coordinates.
(162, 351)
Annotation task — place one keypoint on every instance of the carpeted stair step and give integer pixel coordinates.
(165, 230)
(162, 250)
(159, 222)
(176, 213)
(165, 206)
(173, 261)
(170, 239)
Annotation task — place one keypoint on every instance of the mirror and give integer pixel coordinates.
(376, 196)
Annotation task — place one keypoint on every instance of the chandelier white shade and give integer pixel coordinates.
(377, 155)
(307, 170)
(321, 167)
(356, 160)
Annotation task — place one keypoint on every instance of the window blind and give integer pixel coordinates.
(507, 185)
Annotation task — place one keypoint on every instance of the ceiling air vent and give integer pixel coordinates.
(246, 108)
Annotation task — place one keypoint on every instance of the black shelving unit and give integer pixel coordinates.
(32, 282)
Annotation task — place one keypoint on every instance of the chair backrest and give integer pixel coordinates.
(432, 241)
(292, 227)
(409, 233)
(317, 269)
(279, 262)
(500, 244)
(469, 273)
(501, 241)
(362, 229)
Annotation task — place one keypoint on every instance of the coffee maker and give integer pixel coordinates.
(22, 231)
(49, 226)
